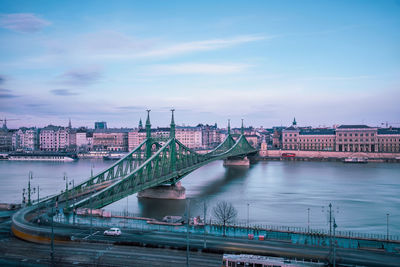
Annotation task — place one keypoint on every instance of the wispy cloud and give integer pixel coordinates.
(131, 108)
(23, 22)
(6, 93)
(339, 78)
(198, 68)
(63, 92)
(213, 44)
(82, 76)
(148, 49)
(2, 79)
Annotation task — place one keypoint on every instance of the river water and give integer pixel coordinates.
(268, 193)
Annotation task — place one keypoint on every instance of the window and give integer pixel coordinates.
(345, 134)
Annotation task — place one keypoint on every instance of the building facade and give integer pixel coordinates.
(26, 139)
(344, 138)
(54, 138)
(110, 139)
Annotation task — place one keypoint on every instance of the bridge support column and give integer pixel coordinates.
(176, 191)
(237, 162)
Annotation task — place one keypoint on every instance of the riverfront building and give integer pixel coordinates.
(54, 138)
(26, 139)
(110, 139)
(344, 138)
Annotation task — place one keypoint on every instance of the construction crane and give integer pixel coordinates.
(5, 122)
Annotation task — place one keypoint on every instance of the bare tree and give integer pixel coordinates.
(225, 213)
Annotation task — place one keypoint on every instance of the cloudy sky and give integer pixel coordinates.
(323, 62)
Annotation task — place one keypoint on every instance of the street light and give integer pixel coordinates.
(387, 226)
(29, 192)
(248, 218)
(308, 225)
(187, 233)
(66, 189)
(29, 187)
(334, 242)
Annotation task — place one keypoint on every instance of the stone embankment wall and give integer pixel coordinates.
(331, 155)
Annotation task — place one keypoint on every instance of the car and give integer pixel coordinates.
(113, 232)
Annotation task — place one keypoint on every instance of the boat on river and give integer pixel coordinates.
(355, 160)
(42, 156)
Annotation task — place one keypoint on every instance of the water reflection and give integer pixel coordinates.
(158, 208)
(231, 174)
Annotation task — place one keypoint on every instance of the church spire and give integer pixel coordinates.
(140, 124)
(69, 123)
(229, 126)
(242, 130)
(294, 122)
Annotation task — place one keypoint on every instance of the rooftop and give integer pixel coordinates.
(353, 126)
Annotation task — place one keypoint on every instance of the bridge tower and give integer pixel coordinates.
(148, 135)
(237, 161)
(175, 190)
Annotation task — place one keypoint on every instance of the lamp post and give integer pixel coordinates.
(387, 226)
(187, 233)
(38, 195)
(308, 225)
(66, 189)
(29, 187)
(248, 218)
(204, 221)
(334, 242)
(73, 202)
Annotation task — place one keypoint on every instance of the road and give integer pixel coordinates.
(15, 252)
(168, 248)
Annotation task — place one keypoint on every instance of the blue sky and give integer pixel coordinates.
(324, 62)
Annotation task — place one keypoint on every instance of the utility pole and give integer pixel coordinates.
(204, 221)
(187, 234)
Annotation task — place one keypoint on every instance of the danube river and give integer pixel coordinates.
(269, 192)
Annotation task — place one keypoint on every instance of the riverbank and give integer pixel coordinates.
(328, 156)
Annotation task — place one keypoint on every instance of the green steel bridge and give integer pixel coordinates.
(154, 162)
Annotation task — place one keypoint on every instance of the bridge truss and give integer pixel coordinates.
(150, 164)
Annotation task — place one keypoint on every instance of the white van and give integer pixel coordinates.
(113, 231)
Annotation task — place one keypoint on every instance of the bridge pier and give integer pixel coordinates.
(237, 162)
(176, 191)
